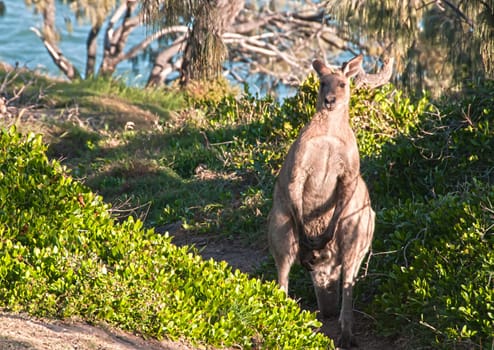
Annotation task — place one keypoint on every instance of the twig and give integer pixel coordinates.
(365, 315)
(7, 79)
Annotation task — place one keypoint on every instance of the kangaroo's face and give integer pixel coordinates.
(334, 89)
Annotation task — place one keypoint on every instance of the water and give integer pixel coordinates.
(18, 44)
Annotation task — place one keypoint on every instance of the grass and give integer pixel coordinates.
(209, 164)
(140, 149)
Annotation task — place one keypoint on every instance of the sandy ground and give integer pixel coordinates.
(19, 332)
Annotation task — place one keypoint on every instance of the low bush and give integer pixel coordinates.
(434, 270)
(62, 254)
(431, 274)
(449, 146)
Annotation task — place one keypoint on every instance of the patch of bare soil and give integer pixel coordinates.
(239, 256)
(363, 332)
(19, 332)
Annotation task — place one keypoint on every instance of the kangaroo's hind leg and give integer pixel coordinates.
(282, 244)
(360, 227)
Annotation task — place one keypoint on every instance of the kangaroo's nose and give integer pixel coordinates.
(329, 101)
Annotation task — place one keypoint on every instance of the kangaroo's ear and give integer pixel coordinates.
(321, 68)
(352, 67)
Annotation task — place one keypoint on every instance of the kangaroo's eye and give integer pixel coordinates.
(342, 85)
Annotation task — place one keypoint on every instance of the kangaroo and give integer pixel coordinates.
(321, 214)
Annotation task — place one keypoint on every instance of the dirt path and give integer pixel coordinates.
(20, 332)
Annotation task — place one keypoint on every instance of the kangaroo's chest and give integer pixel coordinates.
(326, 162)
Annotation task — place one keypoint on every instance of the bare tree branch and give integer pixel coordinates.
(246, 26)
(163, 64)
(457, 11)
(49, 38)
(116, 39)
(60, 60)
(141, 46)
(372, 81)
(109, 35)
(271, 43)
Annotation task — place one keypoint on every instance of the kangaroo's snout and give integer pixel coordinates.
(330, 102)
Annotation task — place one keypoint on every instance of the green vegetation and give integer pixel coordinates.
(62, 255)
(434, 263)
(209, 163)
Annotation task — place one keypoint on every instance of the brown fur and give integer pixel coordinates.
(321, 212)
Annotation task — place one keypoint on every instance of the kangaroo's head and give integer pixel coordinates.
(334, 90)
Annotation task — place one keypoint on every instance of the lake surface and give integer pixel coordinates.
(19, 44)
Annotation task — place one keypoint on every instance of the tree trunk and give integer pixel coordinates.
(205, 51)
(91, 46)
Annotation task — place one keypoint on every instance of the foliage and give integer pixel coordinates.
(436, 278)
(433, 258)
(448, 150)
(380, 117)
(439, 45)
(62, 255)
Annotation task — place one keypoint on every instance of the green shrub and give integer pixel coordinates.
(436, 277)
(62, 255)
(432, 272)
(443, 152)
(381, 116)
